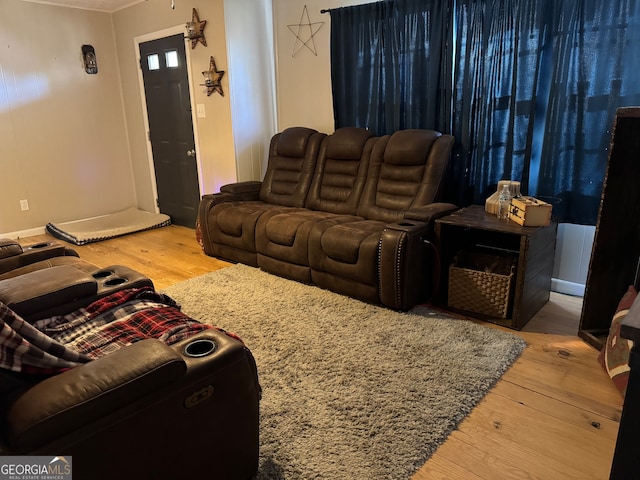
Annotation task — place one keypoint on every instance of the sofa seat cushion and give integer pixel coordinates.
(347, 248)
(285, 236)
(288, 228)
(235, 218)
(282, 229)
(231, 228)
(235, 222)
(342, 243)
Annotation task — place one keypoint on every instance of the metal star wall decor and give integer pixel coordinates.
(304, 33)
(195, 30)
(212, 78)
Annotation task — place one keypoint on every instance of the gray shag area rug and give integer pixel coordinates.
(350, 390)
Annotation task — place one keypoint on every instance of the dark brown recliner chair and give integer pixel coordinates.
(228, 219)
(146, 411)
(381, 256)
(16, 259)
(282, 237)
(46, 279)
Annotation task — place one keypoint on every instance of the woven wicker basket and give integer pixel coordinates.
(474, 287)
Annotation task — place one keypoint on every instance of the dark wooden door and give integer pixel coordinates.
(166, 85)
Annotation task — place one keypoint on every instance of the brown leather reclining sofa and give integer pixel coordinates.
(148, 411)
(47, 278)
(349, 212)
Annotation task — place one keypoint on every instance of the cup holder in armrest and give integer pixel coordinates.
(200, 348)
(102, 274)
(113, 278)
(36, 246)
(407, 224)
(112, 282)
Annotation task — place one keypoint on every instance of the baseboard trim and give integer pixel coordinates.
(568, 288)
(38, 230)
(24, 233)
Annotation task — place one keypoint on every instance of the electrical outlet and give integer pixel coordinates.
(200, 110)
(24, 205)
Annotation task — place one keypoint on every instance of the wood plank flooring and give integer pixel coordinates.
(553, 415)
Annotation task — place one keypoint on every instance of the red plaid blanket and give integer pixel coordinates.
(23, 348)
(58, 343)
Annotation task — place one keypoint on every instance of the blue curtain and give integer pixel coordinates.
(388, 69)
(530, 94)
(497, 71)
(595, 68)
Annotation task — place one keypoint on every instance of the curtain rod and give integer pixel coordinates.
(328, 10)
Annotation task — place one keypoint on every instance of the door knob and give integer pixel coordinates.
(191, 153)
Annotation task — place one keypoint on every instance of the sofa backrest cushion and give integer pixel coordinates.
(409, 173)
(292, 160)
(341, 171)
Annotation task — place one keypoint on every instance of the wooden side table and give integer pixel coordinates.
(471, 229)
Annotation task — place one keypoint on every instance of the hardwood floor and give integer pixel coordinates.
(166, 255)
(553, 415)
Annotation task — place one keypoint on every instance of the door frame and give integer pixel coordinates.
(167, 32)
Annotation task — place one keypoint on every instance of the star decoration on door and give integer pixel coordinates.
(304, 33)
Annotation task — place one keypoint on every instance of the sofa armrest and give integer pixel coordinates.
(402, 263)
(233, 192)
(61, 404)
(9, 248)
(429, 213)
(203, 232)
(246, 190)
(409, 257)
(13, 255)
(43, 289)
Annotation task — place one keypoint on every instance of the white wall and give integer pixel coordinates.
(304, 80)
(250, 50)
(74, 145)
(573, 254)
(63, 142)
(214, 132)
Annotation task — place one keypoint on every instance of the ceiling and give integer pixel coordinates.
(97, 5)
